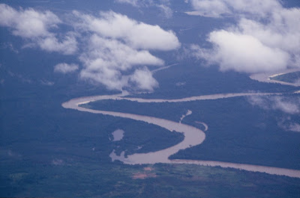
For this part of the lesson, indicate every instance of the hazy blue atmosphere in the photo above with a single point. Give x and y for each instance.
(144, 98)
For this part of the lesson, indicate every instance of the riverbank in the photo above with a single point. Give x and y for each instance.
(192, 136)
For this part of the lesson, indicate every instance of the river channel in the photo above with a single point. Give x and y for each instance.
(192, 136)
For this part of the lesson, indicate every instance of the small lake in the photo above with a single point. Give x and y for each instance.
(118, 135)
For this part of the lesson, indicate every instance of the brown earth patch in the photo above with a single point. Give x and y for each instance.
(143, 175)
(148, 169)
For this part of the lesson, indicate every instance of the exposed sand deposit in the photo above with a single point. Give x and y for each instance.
(266, 77)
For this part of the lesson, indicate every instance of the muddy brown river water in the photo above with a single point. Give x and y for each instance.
(192, 136)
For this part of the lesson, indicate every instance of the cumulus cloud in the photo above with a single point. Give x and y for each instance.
(132, 2)
(286, 105)
(37, 26)
(212, 8)
(67, 46)
(289, 106)
(65, 68)
(118, 50)
(265, 39)
(289, 125)
(115, 50)
(106, 59)
(242, 53)
(282, 31)
(143, 79)
(219, 8)
(163, 5)
(136, 34)
(28, 23)
(295, 127)
(168, 12)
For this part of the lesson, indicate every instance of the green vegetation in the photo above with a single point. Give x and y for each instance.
(82, 177)
(238, 132)
(190, 79)
(141, 137)
(48, 151)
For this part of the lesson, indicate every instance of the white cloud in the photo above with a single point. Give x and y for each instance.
(286, 105)
(244, 53)
(211, 8)
(66, 46)
(295, 127)
(142, 78)
(168, 12)
(65, 68)
(132, 2)
(163, 5)
(219, 8)
(28, 23)
(289, 106)
(253, 46)
(114, 48)
(117, 50)
(282, 31)
(9, 46)
(136, 34)
(262, 102)
(36, 26)
(106, 59)
(289, 125)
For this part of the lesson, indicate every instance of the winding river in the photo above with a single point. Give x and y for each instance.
(266, 77)
(192, 136)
